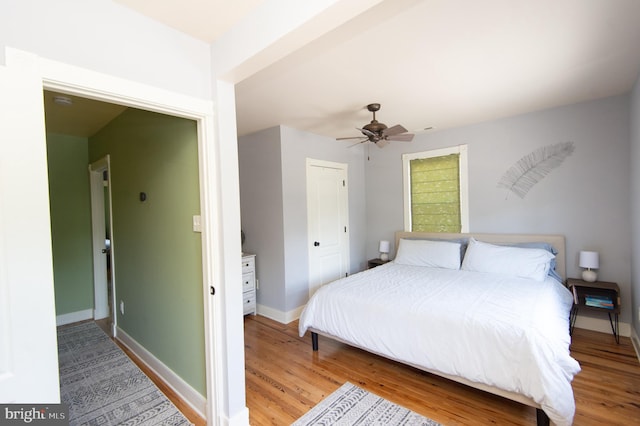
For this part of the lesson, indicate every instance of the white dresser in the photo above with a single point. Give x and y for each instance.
(249, 283)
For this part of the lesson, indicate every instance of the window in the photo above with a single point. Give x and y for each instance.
(436, 190)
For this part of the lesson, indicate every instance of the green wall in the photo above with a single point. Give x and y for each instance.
(70, 204)
(157, 256)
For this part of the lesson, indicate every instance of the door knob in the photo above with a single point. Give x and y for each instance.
(316, 243)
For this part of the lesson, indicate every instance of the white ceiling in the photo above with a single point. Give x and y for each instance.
(203, 19)
(448, 63)
(441, 63)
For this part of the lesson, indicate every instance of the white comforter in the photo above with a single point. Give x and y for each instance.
(505, 332)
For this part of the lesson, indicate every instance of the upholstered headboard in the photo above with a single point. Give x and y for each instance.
(557, 241)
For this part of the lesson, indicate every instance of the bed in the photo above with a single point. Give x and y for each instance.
(486, 310)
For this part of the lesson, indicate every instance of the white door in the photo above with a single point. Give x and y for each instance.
(28, 344)
(100, 223)
(328, 217)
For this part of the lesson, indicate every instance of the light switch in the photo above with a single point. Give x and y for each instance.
(197, 224)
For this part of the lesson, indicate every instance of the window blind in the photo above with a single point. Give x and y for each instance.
(435, 194)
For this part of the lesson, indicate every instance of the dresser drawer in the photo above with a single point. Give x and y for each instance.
(248, 281)
(248, 265)
(249, 302)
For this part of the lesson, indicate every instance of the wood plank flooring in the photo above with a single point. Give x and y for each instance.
(285, 378)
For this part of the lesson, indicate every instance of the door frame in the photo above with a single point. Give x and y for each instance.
(65, 78)
(99, 226)
(345, 252)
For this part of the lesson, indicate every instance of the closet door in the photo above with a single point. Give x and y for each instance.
(328, 216)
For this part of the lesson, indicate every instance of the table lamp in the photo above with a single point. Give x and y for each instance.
(589, 260)
(384, 250)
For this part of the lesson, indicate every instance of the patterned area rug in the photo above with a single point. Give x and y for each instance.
(103, 386)
(351, 405)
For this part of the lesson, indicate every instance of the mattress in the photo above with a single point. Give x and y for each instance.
(509, 333)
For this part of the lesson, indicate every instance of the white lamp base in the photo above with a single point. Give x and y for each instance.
(384, 256)
(589, 276)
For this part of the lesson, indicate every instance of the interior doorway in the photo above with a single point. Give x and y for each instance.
(102, 237)
(106, 305)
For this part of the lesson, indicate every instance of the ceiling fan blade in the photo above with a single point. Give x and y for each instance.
(394, 130)
(405, 137)
(351, 137)
(382, 143)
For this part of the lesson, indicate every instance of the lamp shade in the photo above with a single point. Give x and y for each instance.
(589, 260)
(384, 246)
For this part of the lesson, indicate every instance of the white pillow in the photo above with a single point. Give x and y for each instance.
(434, 254)
(514, 261)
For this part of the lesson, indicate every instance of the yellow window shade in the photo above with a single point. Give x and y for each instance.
(435, 194)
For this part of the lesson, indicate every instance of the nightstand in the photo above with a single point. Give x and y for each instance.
(596, 296)
(372, 263)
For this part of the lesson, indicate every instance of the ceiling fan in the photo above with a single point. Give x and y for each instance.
(379, 133)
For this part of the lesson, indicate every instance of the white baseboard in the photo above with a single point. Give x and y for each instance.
(72, 317)
(171, 379)
(280, 316)
(602, 325)
(240, 419)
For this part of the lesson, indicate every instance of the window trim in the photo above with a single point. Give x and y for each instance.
(463, 177)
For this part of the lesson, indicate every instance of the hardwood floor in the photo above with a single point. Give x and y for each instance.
(285, 378)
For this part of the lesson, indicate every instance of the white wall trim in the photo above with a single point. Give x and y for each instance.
(71, 317)
(280, 316)
(168, 377)
(240, 419)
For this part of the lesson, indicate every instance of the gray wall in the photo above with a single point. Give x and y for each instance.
(259, 158)
(634, 158)
(586, 198)
(274, 209)
(297, 146)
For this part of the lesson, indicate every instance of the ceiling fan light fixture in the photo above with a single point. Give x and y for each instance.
(375, 126)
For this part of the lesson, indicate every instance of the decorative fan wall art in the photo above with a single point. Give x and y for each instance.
(530, 169)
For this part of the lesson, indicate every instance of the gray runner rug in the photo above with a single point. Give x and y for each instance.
(351, 405)
(103, 386)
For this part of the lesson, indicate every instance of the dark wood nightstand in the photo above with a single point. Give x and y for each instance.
(596, 296)
(372, 263)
